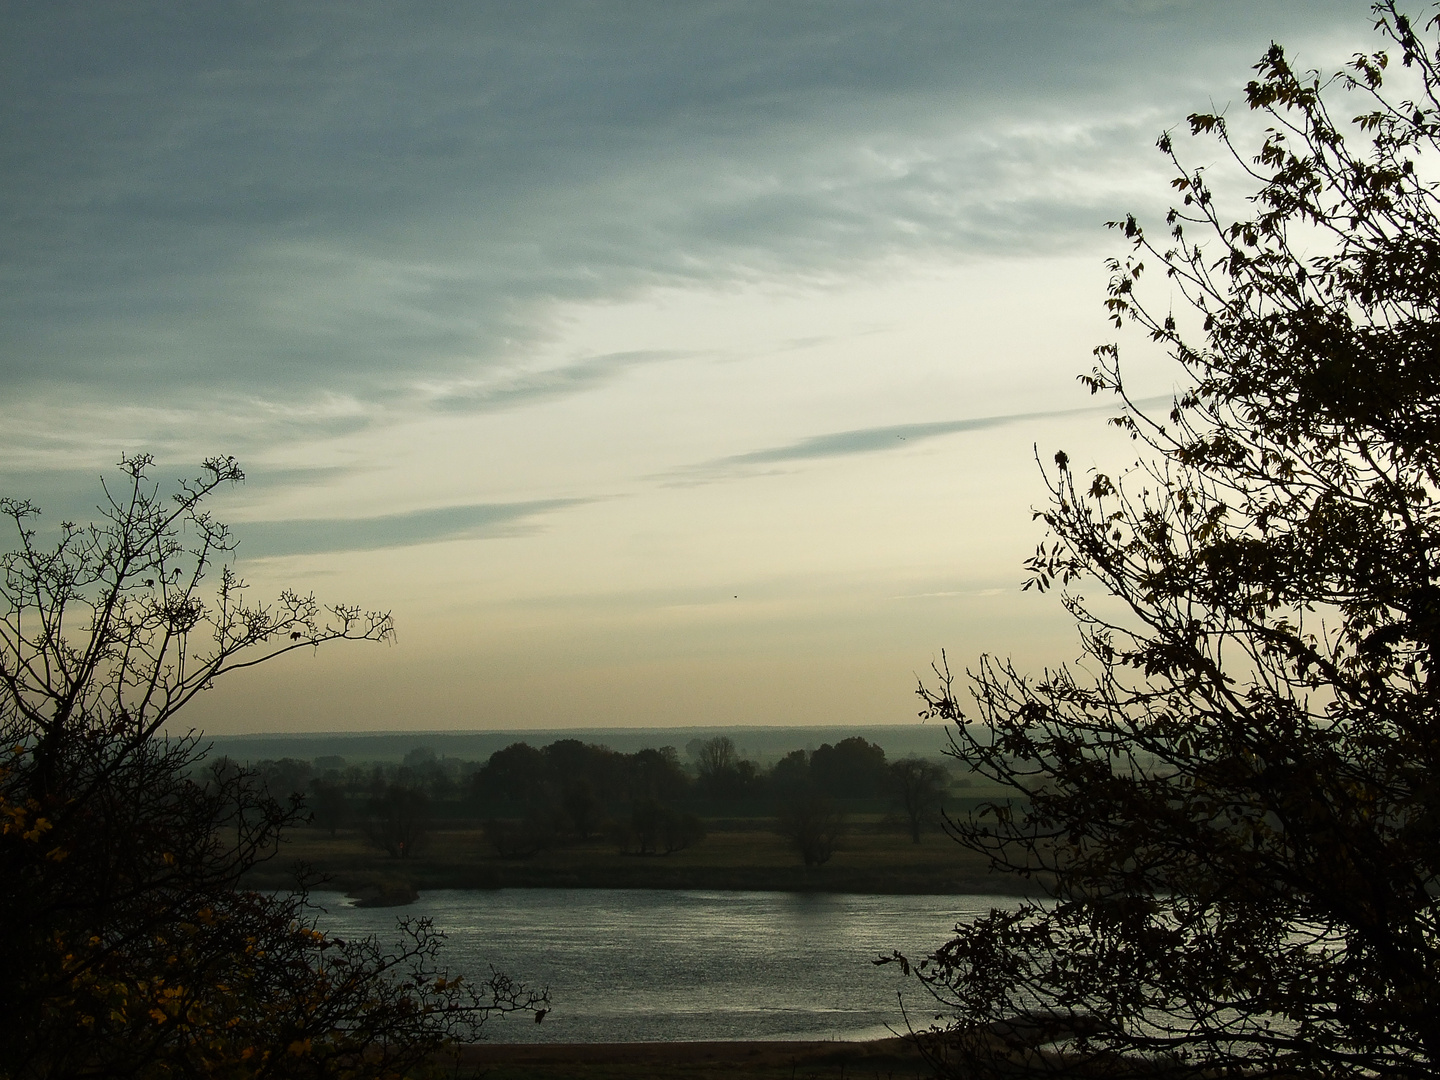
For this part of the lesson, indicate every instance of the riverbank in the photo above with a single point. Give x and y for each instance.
(869, 859)
(896, 1058)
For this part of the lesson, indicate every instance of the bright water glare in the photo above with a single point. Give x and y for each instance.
(629, 965)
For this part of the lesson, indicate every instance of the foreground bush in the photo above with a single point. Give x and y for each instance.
(126, 945)
(1235, 792)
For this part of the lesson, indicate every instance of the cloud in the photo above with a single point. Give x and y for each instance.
(77, 494)
(871, 440)
(548, 384)
(313, 536)
(360, 199)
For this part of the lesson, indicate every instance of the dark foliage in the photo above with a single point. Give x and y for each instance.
(656, 776)
(329, 806)
(514, 776)
(1236, 793)
(398, 822)
(656, 829)
(520, 839)
(851, 769)
(127, 947)
(812, 825)
(918, 786)
(583, 808)
(723, 776)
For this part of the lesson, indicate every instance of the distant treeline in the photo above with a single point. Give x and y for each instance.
(531, 797)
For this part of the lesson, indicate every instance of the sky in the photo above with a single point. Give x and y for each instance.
(653, 363)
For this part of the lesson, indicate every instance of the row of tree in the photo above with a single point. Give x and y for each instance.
(521, 777)
(531, 798)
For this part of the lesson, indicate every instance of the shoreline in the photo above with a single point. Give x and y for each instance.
(891, 1057)
(870, 861)
(358, 884)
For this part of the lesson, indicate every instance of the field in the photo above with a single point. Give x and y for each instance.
(740, 854)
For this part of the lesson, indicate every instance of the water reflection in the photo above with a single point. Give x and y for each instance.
(632, 965)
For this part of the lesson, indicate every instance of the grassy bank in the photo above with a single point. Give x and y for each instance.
(891, 1058)
(734, 855)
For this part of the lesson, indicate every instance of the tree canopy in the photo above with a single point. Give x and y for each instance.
(1234, 792)
(128, 946)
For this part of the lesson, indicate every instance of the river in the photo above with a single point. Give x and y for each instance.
(627, 965)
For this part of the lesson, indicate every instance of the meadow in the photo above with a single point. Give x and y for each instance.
(892, 1059)
(872, 856)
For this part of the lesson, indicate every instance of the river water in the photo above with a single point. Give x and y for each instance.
(628, 965)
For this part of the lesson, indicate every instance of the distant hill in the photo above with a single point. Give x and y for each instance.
(761, 744)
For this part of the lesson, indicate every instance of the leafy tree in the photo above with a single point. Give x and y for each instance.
(656, 775)
(791, 773)
(520, 839)
(127, 947)
(716, 763)
(583, 808)
(329, 807)
(656, 829)
(918, 785)
(851, 769)
(398, 822)
(284, 777)
(811, 824)
(1235, 795)
(513, 776)
(723, 775)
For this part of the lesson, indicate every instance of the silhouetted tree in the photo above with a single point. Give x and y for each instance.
(715, 763)
(284, 777)
(398, 822)
(791, 773)
(722, 774)
(568, 760)
(1236, 794)
(328, 805)
(513, 777)
(655, 775)
(851, 769)
(583, 808)
(918, 785)
(126, 946)
(659, 830)
(811, 824)
(513, 839)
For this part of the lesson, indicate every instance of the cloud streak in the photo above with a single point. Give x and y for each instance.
(360, 200)
(871, 440)
(549, 384)
(315, 536)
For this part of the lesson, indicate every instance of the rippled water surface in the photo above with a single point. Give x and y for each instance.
(630, 965)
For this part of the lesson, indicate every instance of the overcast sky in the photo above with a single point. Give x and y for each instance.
(655, 363)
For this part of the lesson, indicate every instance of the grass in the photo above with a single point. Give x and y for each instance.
(735, 855)
(887, 1059)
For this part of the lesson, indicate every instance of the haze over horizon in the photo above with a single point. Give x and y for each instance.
(657, 365)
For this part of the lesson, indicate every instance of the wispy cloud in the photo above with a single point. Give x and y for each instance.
(870, 440)
(313, 536)
(551, 383)
(76, 494)
(332, 202)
